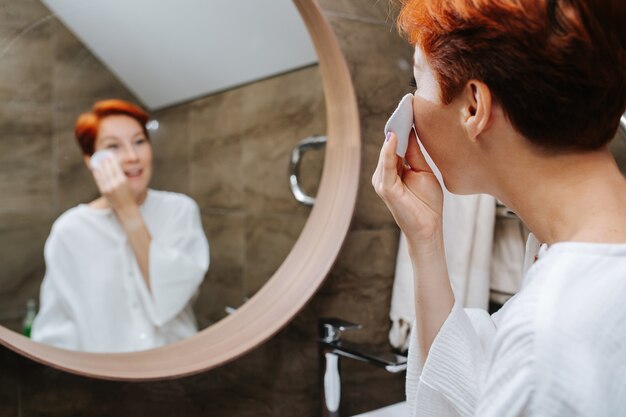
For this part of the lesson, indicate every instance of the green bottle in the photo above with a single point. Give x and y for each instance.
(31, 312)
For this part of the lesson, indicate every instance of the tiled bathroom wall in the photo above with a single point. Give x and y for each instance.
(279, 378)
(230, 152)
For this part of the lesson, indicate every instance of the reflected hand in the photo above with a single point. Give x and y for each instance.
(113, 184)
(413, 195)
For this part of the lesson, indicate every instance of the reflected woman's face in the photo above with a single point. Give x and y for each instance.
(124, 136)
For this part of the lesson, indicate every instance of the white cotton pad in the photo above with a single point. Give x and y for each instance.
(401, 123)
(100, 156)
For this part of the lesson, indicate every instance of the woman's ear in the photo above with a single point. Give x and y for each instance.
(477, 108)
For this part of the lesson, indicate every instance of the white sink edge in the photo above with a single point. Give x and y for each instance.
(393, 410)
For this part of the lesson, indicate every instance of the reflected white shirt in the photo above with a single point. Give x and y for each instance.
(557, 348)
(93, 297)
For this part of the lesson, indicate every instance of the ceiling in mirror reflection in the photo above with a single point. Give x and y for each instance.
(234, 42)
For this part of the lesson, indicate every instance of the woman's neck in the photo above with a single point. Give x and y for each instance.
(102, 203)
(579, 198)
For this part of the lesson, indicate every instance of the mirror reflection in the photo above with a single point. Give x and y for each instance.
(122, 269)
(200, 159)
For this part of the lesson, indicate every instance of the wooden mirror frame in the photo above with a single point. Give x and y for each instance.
(291, 286)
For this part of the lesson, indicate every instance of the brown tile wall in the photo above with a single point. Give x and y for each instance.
(230, 152)
(280, 377)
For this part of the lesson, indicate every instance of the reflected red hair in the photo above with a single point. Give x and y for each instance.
(557, 67)
(88, 124)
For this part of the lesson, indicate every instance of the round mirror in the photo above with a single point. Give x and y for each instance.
(220, 132)
(225, 143)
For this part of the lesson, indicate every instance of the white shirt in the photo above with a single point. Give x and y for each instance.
(557, 348)
(93, 297)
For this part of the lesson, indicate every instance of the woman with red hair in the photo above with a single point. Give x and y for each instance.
(121, 271)
(517, 99)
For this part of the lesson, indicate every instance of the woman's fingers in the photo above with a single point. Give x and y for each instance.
(400, 166)
(389, 162)
(376, 178)
(100, 179)
(108, 171)
(414, 155)
(109, 176)
(116, 170)
(413, 195)
(114, 173)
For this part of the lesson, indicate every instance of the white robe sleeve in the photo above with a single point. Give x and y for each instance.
(448, 384)
(54, 323)
(178, 261)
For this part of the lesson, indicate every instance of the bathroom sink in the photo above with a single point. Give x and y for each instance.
(393, 410)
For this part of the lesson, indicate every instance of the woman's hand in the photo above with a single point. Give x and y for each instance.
(412, 194)
(415, 198)
(115, 188)
(113, 185)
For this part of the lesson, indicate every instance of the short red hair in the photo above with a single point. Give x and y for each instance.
(557, 67)
(88, 124)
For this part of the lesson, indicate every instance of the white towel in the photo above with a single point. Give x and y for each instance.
(509, 241)
(402, 311)
(468, 226)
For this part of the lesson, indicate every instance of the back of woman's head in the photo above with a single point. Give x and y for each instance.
(557, 67)
(88, 124)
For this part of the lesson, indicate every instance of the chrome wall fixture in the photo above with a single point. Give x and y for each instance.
(312, 142)
(331, 348)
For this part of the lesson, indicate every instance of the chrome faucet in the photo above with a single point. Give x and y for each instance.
(331, 348)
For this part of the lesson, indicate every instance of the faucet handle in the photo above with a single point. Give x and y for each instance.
(330, 328)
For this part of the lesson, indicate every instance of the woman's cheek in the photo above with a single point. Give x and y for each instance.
(423, 117)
